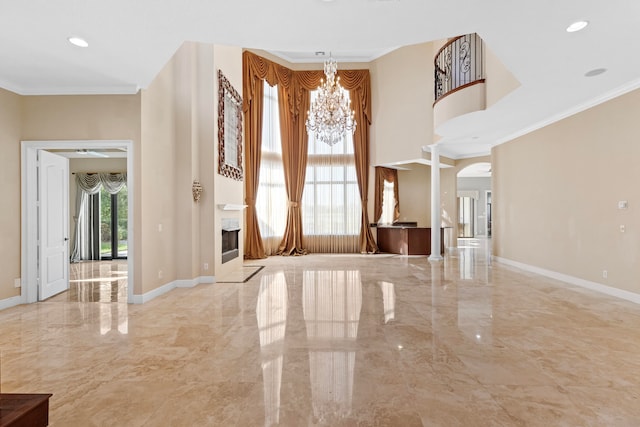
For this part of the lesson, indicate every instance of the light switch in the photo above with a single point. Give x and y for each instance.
(623, 204)
(622, 228)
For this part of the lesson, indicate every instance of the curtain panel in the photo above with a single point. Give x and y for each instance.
(252, 108)
(390, 175)
(294, 87)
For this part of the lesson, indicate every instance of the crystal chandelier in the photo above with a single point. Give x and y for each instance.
(330, 115)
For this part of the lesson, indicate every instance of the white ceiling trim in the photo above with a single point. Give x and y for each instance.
(93, 90)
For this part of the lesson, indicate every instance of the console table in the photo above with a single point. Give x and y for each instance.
(407, 240)
(24, 410)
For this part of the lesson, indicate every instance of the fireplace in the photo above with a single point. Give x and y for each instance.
(230, 233)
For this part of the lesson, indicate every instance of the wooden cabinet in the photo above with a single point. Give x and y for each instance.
(24, 410)
(407, 240)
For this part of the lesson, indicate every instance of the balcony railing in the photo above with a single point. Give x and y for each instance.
(458, 64)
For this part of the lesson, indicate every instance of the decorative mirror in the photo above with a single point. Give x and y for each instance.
(229, 129)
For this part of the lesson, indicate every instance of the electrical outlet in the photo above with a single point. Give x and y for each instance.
(206, 265)
(160, 274)
(604, 274)
(17, 283)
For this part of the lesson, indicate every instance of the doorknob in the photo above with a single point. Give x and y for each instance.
(66, 239)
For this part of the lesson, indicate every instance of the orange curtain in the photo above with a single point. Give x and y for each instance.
(252, 107)
(390, 175)
(294, 159)
(294, 101)
(361, 152)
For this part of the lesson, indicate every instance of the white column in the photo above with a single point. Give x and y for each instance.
(436, 216)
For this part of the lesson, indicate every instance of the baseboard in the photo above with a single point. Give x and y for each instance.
(594, 286)
(141, 299)
(10, 302)
(186, 283)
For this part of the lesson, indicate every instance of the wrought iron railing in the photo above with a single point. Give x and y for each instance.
(459, 63)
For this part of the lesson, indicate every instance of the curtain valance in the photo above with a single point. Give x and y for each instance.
(298, 83)
(91, 183)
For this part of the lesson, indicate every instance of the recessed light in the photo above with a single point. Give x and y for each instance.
(595, 72)
(577, 26)
(78, 41)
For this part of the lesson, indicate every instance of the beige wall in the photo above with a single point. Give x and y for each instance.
(158, 177)
(414, 188)
(89, 117)
(402, 98)
(227, 190)
(499, 80)
(51, 118)
(179, 126)
(556, 193)
(10, 121)
(81, 117)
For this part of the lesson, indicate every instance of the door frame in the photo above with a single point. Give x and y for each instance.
(29, 205)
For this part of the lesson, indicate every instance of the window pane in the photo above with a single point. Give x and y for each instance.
(105, 223)
(121, 220)
(388, 203)
(271, 199)
(331, 199)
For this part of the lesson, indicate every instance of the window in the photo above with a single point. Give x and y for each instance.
(271, 199)
(388, 203)
(331, 207)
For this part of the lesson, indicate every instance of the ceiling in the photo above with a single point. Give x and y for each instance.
(130, 41)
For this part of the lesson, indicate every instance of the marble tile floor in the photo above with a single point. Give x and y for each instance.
(96, 281)
(337, 340)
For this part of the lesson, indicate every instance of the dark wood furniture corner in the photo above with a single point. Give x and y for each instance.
(407, 240)
(24, 410)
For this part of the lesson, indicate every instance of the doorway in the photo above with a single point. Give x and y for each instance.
(30, 268)
(473, 188)
(466, 217)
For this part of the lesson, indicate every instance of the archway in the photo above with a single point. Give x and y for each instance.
(474, 201)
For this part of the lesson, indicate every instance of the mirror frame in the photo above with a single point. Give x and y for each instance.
(229, 129)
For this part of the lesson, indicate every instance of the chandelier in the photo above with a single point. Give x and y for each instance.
(330, 115)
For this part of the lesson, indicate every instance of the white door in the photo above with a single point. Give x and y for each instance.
(53, 190)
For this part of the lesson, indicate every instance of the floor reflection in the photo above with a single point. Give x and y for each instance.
(475, 299)
(271, 313)
(388, 300)
(332, 301)
(96, 281)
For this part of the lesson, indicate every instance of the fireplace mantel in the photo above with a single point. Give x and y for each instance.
(231, 207)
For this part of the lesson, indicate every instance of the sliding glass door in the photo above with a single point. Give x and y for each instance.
(113, 224)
